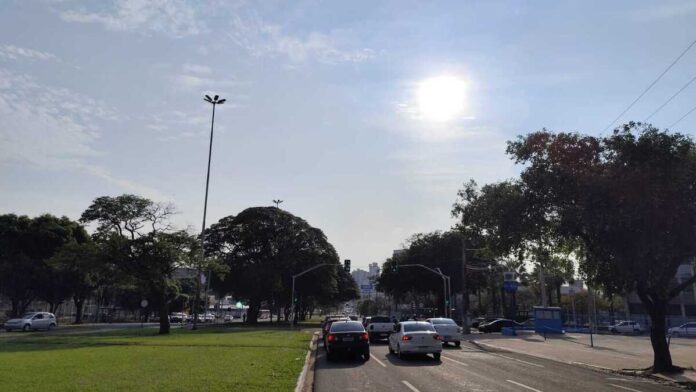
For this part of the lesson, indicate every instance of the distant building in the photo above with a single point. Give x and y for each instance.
(576, 287)
(366, 279)
(680, 309)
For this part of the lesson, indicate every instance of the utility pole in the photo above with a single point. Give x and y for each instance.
(464, 309)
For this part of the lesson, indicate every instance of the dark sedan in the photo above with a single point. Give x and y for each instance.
(498, 325)
(347, 337)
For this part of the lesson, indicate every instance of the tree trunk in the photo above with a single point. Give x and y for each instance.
(558, 292)
(253, 312)
(79, 303)
(662, 360)
(164, 325)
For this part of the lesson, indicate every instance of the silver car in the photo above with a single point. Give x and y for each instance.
(32, 321)
(415, 337)
(448, 329)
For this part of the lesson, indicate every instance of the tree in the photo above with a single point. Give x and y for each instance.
(263, 248)
(84, 268)
(631, 199)
(136, 236)
(26, 245)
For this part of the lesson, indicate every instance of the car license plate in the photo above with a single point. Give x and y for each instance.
(347, 339)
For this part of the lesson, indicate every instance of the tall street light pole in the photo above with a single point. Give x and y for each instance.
(214, 101)
(277, 202)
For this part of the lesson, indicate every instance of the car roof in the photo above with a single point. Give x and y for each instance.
(414, 322)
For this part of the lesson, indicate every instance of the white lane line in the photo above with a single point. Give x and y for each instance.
(519, 360)
(411, 387)
(523, 386)
(455, 361)
(626, 388)
(378, 361)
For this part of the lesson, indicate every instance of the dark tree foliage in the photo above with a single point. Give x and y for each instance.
(263, 247)
(631, 199)
(26, 245)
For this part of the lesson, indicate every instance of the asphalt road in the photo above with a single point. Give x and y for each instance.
(467, 369)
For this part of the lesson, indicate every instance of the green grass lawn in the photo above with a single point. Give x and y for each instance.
(234, 359)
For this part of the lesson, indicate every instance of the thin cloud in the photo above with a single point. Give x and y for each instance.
(177, 18)
(262, 39)
(11, 52)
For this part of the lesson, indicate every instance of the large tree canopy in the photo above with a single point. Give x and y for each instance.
(263, 247)
(631, 199)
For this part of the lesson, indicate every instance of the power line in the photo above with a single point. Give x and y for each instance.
(651, 85)
(670, 99)
(683, 117)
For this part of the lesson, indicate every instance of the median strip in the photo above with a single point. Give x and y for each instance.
(519, 384)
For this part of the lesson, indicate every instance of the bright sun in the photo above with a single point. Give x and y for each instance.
(441, 98)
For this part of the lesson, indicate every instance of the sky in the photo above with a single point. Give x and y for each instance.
(364, 117)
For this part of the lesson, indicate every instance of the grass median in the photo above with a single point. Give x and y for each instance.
(233, 359)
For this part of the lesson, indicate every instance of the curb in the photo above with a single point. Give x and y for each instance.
(601, 369)
(305, 382)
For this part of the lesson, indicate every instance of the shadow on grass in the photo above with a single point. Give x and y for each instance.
(261, 338)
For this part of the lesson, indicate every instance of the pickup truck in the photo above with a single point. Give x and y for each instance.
(379, 327)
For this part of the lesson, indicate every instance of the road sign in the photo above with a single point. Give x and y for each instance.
(510, 286)
(366, 287)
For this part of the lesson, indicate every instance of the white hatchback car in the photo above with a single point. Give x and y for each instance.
(626, 327)
(688, 329)
(32, 321)
(415, 337)
(448, 329)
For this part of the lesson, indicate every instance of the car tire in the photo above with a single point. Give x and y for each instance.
(613, 330)
(26, 328)
(398, 352)
(8, 330)
(51, 327)
(457, 344)
(329, 356)
(436, 356)
(391, 350)
(366, 356)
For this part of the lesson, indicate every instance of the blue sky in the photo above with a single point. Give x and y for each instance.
(323, 111)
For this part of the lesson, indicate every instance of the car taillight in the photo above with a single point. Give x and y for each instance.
(364, 336)
(437, 337)
(331, 338)
(405, 337)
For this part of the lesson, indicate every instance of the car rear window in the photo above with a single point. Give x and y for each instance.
(347, 326)
(443, 321)
(380, 320)
(418, 327)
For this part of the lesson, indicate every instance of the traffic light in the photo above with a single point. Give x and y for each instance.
(346, 265)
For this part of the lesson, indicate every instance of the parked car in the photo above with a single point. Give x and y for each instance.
(498, 325)
(228, 318)
(380, 327)
(347, 336)
(482, 320)
(327, 324)
(626, 327)
(448, 329)
(415, 337)
(209, 317)
(32, 321)
(189, 318)
(688, 329)
(177, 317)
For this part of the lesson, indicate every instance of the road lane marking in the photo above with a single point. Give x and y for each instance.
(378, 361)
(626, 388)
(519, 360)
(411, 387)
(523, 386)
(455, 361)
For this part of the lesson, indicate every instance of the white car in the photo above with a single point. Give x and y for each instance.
(415, 337)
(228, 318)
(32, 321)
(209, 317)
(688, 329)
(448, 329)
(626, 327)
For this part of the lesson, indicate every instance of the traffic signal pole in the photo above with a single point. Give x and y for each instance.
(436, 272)
(292, 303)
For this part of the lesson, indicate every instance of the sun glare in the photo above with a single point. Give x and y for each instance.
(441, 98)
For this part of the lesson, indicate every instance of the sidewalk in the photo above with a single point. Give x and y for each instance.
(616, 352)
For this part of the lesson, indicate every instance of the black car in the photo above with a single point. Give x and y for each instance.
(498, 325)
(347, 337)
